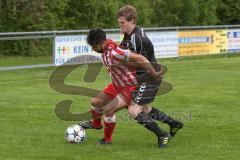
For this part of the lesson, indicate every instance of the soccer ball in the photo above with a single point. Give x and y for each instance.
(75, 134)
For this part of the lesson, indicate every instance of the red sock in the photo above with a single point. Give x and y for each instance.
(97, 117)
(109, 125)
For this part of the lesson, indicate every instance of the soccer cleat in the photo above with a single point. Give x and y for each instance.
(163, 141)
(103, 142)
(89, 125)
(174, 128)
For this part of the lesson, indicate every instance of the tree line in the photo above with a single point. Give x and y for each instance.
(38, 15)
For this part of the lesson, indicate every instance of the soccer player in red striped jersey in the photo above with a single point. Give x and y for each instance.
(121, 75)
(124, 82)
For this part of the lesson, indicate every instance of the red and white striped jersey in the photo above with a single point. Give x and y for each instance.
(121, 75)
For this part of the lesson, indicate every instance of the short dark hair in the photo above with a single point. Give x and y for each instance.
(96, 36)
(129, 12)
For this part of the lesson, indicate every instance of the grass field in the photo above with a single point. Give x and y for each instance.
(209, 88)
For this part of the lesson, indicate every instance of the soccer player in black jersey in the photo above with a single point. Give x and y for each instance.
(136, 40)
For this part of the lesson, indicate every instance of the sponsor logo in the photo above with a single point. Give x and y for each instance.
(186, 40)
(63, 50)
(140, 94)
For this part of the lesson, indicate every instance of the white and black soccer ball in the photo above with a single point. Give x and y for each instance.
(75, 134)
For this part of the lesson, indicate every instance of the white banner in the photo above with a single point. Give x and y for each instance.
(165, 43)
(233, 41)
(75, 50)
(116, 37)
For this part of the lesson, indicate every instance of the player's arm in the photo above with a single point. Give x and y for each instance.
(142, 62)
(126, 56)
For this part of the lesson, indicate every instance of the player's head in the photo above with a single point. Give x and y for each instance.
(96, 39)
(127, 18)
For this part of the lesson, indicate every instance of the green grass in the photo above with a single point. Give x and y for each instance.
(18, 61)
(208, 87)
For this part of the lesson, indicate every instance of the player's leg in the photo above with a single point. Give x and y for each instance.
(144, 119)
(158, 115)
(122, 99)
(145, 95)
(97, 102)
(135, 111)
(110, 119)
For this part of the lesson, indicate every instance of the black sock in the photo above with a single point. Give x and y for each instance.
(160, 116)
(145, 120)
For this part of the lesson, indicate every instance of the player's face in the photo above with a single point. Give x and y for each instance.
(98, 48)
(125, 26)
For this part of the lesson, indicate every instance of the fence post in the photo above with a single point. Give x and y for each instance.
(226, 56)
(53, 50)
(178, 57)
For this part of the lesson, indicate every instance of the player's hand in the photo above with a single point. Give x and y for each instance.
(158, 75)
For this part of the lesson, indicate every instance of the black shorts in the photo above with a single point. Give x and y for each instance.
(147, 90)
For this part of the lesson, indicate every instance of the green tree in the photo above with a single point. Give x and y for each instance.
(207, 12)
(8, 15)
(92, 14)
(189, 13)
(166, 12)
(228, 12)
(36, 15)
(31, 15)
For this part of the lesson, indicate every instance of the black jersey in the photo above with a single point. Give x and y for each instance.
(139, 42)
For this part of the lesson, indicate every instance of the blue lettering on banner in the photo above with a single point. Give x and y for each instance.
(172, 39)
(70, 39)
(76, 60)
(60, 60)
(233, 50)
(80, 49)
(93, 58)
(194, 40)
(113, 36)
(234, 34)
(83, 59)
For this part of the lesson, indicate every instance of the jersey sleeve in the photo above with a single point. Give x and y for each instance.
(120, 54)
(139, 44)
(136, 43)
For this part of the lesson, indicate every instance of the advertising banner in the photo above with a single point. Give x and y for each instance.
(75, 50)
(202, 42)
(165, 43)
(233, 41)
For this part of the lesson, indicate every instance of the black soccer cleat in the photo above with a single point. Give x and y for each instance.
(89, 125)
(163, 141)
(103, 142)
(175, 127)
